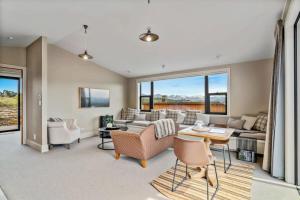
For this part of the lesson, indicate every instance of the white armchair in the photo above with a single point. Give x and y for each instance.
(63, 132)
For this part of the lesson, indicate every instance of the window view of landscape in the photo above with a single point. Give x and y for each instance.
(180, 94)
(8, 104)
(186, 93)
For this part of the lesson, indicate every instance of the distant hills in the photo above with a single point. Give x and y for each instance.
(184, 98)
(7, 93)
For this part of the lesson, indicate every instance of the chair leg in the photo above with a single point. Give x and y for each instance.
(117, 156)
(78, 140)
(226, 168)
(207, 186)
(174, 175)
(184, 178)
(67, 146)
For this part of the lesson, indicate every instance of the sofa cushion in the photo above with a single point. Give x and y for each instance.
(204, 118)
(191, 117)
(122, 121)
(258, 136)
(183, 126)
(180, 117)
(140, 117)
(235, 123)
(218, 119)
(140, 123)
(162, 115)
(261, 122)
(172, 114)
(249, 122)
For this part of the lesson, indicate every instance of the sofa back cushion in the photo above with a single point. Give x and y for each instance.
(261, 122)
(249, 122)
(204, 118)
(191, 117)
(235, 123)
(218, 119)
(140, 116)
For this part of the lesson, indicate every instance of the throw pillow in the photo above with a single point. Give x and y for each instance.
(191, 117)
(130, 113)
(249, 122)
(140, 117)
(162, 115)
(180, 118)
(172, 114)
(261, 122)
(123, 114)
(203, 117)
(154, 115)
(235, 123)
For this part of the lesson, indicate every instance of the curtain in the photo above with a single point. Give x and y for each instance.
(275, 140)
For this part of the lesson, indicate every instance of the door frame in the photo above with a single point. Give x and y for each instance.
(24, 85)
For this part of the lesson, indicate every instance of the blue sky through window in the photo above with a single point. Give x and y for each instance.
(187, 86)
(8, 84)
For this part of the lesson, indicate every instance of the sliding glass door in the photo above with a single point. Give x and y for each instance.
(9, 104)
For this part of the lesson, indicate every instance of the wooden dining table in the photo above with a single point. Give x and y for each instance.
(208, 134)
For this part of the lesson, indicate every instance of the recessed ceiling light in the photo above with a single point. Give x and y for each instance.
(10, 37)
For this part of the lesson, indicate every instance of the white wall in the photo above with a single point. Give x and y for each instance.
(66, 73)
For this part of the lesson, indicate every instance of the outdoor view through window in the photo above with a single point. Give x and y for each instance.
(9, 104)
(204, 93)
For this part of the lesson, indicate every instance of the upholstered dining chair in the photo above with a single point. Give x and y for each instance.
(193, 152)
(224, 144)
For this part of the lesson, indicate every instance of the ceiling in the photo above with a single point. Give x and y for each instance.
(193, 33)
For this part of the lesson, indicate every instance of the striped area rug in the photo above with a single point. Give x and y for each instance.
(234, 185)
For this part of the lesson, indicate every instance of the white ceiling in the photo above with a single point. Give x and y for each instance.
(192, 32)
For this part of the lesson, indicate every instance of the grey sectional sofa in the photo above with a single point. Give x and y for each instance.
(214, 120)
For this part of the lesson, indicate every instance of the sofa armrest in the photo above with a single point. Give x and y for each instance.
(128, 143)
(61, 124)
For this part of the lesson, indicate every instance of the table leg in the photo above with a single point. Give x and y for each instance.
(202, 170)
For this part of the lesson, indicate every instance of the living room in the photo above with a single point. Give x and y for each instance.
(114, 100)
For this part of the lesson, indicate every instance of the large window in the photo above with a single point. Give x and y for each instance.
(207, 94)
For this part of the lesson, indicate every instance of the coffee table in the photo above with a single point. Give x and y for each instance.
(105, 135)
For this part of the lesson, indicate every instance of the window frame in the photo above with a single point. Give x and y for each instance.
(206, 90)
(147, 96)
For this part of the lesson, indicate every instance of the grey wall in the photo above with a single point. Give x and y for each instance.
(249, 86)
(13, 56)
(66, 73)
(36, 62)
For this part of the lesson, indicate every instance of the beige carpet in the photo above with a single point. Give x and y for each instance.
(236, 184)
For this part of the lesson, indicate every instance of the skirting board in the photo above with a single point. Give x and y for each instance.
(87, 134)
(38, 147)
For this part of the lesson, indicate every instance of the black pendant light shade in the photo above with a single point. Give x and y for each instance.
(149, 36)
(85, 55)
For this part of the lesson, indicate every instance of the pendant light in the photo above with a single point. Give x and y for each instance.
(149, 36)
(85, 55)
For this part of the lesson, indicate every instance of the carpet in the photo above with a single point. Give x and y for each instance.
(235, 184)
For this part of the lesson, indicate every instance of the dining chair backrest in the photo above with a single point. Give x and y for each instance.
(191, 152)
